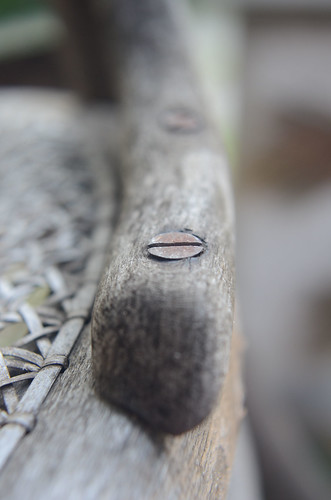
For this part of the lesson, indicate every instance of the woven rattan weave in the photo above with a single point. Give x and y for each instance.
(55, 219)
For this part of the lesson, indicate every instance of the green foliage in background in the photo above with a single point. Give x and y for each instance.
(10, 8)
(27, 27)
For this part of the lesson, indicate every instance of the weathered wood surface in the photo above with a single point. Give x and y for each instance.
(161, 330)
(84, 448)
(55, 221)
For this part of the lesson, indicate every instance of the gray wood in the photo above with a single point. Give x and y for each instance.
(42, 122)
(83, 448)
(161, 330)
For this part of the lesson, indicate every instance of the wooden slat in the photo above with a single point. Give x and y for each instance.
(161, 329)
(84, 448)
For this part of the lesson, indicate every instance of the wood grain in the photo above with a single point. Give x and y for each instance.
(161, 330)
(44, 137)
(166, 325)
(84, 448)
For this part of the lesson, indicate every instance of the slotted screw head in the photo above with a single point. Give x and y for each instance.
(181, 121)
(175, 246)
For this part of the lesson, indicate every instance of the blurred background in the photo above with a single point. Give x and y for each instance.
(266, 72)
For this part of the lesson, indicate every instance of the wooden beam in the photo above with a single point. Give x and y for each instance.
(84, 448)
(161, 329)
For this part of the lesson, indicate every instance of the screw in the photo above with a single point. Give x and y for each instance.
(181, 120)
(175, 246)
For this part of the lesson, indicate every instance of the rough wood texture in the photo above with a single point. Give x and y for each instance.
(161, 330)
(84, 448)
(55, 223)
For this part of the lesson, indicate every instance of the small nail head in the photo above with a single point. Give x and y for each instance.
(175, 246)
(181, 120)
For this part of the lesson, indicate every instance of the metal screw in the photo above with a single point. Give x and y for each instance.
(181, 120)
(175, 246)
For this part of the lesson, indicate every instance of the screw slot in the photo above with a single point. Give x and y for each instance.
(175, 246)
